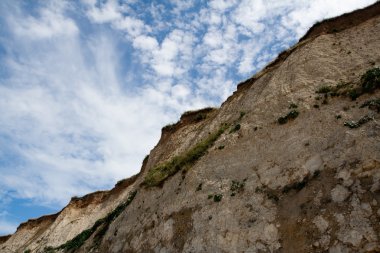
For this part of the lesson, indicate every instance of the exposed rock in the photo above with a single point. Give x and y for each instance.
(321, 223)
(339, 193)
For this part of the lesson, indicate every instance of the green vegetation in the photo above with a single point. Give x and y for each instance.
(291, 115)
(359, 123)
(218, 197)
(157, 175)
(235, 128)
(221, 147)
(81, 238)
(354, 93)
(293, 106)
(373, 104)
(237, 187)
(200, 116)
(241, 115)
(169, 127)
(48, 250)
(371, 80)
(324, 90)
(112, 216)
(27, 251)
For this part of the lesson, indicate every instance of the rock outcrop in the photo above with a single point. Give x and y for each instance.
(289, 163)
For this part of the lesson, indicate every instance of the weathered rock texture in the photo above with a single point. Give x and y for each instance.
(309, 185)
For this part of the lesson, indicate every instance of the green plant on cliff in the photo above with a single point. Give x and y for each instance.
(291, 115)
(48, 249)
(104, 223)
(157, 175)
(359, 123)
(235, 128)
(373, 104)
(237, 187)
(324, 89)
(218, 197)
(371, 80)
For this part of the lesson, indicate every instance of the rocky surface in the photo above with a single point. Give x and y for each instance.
(295, 169)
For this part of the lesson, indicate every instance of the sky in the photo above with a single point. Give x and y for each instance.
(87, 85)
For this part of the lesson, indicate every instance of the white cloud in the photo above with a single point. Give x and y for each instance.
(308, 12)
(107, 12)
(144, 42)
(7, 227)
(50, 23)
(250, 14)
(222, 5)
(213, 38)
(67, 118)
(133, 26)
(181, 5)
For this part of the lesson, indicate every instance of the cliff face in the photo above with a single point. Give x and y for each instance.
(289, 163)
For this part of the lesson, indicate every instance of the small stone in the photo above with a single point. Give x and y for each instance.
(339, 193)
(321, 223)
(374, 202)
(314, 163)
(339, 218)
(270, 232)
(367, 208)
(345, 175)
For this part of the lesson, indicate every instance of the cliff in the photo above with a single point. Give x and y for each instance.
(289, 163)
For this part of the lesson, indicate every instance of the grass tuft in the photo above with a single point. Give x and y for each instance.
(157, 175)
(371, 80)
(218, 197)
(81, 238)
(235, 128)
(291, 115)
(237, 187)
(373, 104)
(324, 90)
(357, 124)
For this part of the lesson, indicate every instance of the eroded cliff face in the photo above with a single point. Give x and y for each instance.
(267, 182)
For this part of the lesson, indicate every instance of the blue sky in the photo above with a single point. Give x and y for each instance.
(86, 86)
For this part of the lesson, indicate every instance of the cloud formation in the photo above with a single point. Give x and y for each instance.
(85, 87)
